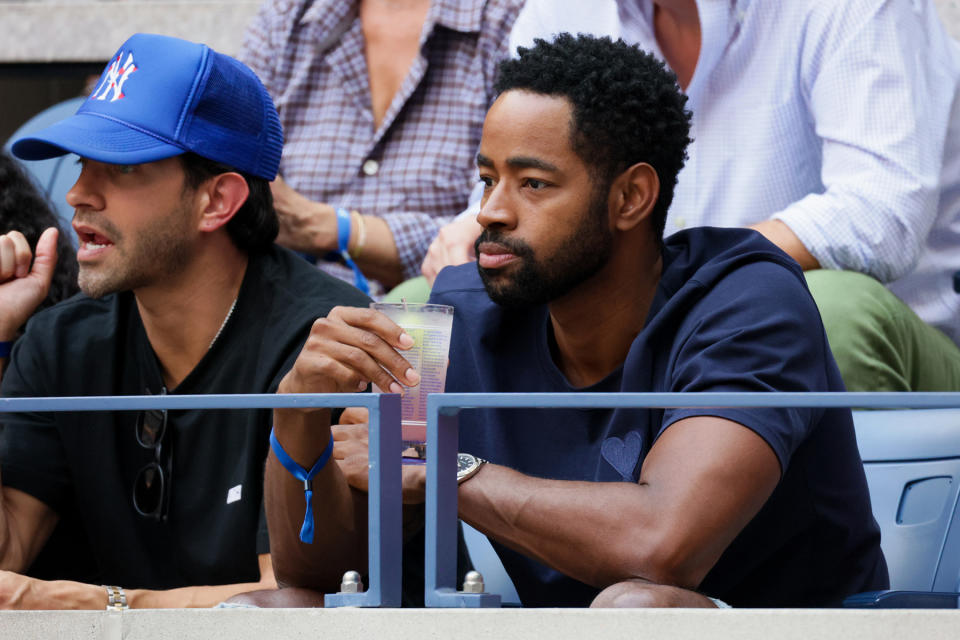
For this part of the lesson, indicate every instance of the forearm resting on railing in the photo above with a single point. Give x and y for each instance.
(598, 533)
(25, 525)
(703, 480)
(201, 596)
(339, 512)
(23, 592)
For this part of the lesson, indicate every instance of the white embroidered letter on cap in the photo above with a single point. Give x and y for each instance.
(115, 78)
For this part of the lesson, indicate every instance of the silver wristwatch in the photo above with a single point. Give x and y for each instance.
(116, 598)
(467, 466)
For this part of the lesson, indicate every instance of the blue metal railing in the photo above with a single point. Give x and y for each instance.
(385, 508)
(442, 445)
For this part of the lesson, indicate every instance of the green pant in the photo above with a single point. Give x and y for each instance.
(413, 290)
(879, 343)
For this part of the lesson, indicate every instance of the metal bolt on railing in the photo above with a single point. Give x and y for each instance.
(473, 582)
(351, 583)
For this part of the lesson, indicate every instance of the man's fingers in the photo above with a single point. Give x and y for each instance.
(452, 246)
(45, 262)
(341, 432)
(353, 415)
(374, 322)
(349, 349)
(16, 256)
(22, 254)
(378, 336)
(331, 359)
(460, 253)
(8, 258)
(433, 261)
(366, 363)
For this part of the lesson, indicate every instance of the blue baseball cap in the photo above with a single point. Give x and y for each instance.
(160, 97)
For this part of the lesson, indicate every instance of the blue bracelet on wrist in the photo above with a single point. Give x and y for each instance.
(6, 348)
(343, 243)
(298, 472)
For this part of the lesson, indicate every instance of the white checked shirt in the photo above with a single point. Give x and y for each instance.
(829, 115)
(416, 170)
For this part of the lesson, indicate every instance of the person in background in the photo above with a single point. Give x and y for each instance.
(574, 290)
(183, 292)
(807, 127)
(382, 104)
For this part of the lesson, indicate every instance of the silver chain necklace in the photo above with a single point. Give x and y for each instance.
(225, 321)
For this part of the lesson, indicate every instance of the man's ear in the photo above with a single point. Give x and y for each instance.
(634, 194)
(222, 195)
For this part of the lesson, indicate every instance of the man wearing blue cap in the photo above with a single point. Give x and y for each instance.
(184, 292)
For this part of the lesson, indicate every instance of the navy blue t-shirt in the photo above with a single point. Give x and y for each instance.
(731, 313)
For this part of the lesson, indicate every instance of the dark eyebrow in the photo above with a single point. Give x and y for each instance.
(519, 162)
(525, 162)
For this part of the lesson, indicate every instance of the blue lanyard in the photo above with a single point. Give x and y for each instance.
(298, 472)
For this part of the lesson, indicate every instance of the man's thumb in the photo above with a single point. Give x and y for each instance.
(45, 258)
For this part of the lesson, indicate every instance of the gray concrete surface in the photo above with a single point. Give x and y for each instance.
(88, 30)
(510, 624)
(91, 30)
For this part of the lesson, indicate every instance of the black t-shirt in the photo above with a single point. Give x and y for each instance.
(85, 464)
(731, 313)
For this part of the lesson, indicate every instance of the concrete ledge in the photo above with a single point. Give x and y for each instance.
(90, 31)
(509, 624)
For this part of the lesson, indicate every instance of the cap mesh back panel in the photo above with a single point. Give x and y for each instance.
(233, 121)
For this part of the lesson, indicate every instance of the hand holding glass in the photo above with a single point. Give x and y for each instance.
(429, 325)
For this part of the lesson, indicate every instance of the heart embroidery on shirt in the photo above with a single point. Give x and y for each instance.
(623, 454)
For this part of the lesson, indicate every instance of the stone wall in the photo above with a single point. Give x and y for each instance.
(483, 624)
(89, 30)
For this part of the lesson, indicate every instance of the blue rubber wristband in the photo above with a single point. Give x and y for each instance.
(5, 349)
(298, 472)
(343, 242)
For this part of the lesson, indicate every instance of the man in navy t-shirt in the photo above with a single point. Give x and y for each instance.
(575, 290)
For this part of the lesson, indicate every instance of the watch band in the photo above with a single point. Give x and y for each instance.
(116, 598)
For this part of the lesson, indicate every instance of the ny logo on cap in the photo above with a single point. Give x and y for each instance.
(114, 80)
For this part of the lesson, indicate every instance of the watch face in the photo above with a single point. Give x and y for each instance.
(465, 462)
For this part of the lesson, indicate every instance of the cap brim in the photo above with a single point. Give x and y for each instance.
(94, 137)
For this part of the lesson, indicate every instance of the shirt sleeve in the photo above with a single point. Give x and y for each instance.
(263, 533)
(263, 40)
(542, 19)
(413, 233)
(31, 451)
(757, 329)
(473, 204)
(879, 90)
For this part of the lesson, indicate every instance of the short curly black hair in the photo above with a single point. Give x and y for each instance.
(25, 209)
(627, 106)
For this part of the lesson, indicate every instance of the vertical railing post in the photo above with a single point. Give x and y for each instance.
(440, 553)
(385, 512)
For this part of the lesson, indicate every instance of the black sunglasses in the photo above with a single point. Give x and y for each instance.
(151, 490)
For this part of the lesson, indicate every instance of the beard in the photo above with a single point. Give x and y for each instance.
(538, 281)
(159, 251)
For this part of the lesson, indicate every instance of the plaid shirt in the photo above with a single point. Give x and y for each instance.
(416, 171)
